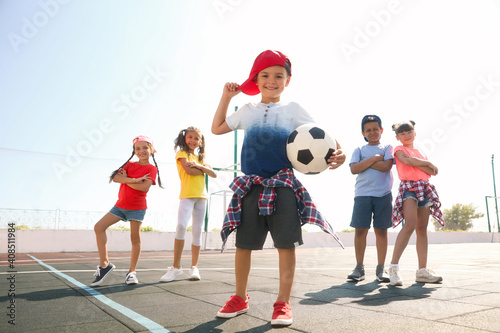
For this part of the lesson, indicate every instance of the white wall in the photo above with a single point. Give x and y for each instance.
(38, 241)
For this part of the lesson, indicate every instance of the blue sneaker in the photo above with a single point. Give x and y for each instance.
(101, 274)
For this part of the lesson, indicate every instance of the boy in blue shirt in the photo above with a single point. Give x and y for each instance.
(268, 197)
(372, 163)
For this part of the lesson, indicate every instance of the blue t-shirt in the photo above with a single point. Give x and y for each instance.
(267, 127)
(372, 182)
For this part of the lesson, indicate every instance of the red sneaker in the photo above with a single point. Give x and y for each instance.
(282, 314)
(235, 306)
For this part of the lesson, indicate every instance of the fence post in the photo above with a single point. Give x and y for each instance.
(488, 213)
(206, 209)
(58, 212)
(495, 189)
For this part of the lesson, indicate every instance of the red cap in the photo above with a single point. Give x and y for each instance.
(266, 59)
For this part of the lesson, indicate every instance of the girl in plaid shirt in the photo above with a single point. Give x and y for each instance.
(416, 200)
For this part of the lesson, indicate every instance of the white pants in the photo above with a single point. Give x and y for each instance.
(196, 208)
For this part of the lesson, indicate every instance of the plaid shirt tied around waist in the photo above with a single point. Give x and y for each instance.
(308, 213)
(422, 189)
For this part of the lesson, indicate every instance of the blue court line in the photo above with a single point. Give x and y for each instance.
(148, 323)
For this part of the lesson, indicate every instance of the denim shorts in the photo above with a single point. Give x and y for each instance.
(366, 206)
(413, 195)
(284, 224)
(128, 214)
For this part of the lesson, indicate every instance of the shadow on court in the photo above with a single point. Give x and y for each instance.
(323, 300)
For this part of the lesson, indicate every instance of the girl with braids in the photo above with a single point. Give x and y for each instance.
(135, 178)
(192, 169)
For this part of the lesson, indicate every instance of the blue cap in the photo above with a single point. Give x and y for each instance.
(368, 119)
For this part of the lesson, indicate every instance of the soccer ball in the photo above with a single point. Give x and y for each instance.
(308, 148)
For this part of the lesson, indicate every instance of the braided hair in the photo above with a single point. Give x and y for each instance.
(180, 142)
(114, 173)
(157, 169)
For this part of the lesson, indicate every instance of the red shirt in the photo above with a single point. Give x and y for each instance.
(128, 198)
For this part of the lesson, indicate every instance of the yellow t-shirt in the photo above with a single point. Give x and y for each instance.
(191, 186)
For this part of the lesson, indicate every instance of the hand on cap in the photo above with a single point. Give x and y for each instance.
(231, 89)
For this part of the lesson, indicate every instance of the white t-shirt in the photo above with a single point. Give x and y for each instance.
(267, 127)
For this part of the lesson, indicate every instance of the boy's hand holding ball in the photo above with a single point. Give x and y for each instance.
(336, 160)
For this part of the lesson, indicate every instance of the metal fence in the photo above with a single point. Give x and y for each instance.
(73, 220)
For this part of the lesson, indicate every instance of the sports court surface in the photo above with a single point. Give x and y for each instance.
(52, 293)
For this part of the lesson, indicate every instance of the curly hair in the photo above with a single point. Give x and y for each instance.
(180, 142)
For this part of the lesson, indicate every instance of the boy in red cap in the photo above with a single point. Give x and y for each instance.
(268, 198)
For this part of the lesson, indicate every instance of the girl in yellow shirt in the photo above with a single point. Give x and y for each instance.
(192, 170)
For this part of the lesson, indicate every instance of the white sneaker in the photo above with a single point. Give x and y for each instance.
(194, 274)
(131, 278)
(394, 277)
(427, 275)
(171, 274)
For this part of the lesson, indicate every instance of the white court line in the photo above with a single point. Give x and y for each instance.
(93, 270)
(148, 323)
(253, 268)
(90, 258)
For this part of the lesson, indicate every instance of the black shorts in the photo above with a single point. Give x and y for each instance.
(284, 224)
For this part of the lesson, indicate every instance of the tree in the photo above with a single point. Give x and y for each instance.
(459, 217)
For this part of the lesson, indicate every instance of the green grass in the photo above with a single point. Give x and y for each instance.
(125, 228)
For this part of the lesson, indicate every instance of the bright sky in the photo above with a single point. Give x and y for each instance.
(80, 79)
